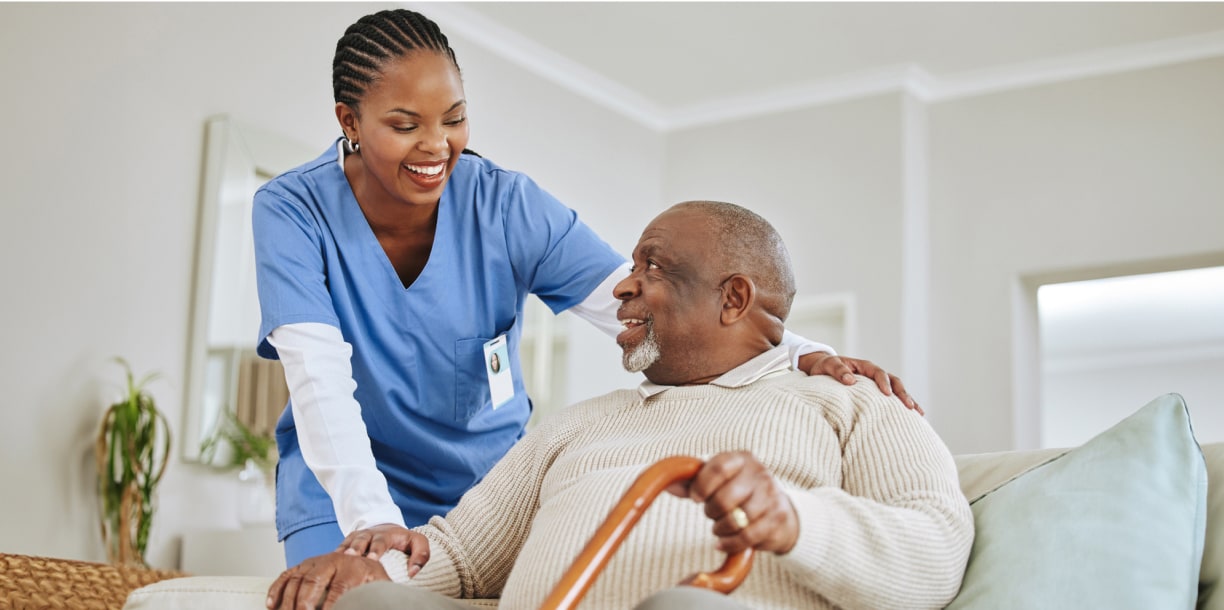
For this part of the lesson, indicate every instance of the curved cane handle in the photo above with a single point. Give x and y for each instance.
(578, 579)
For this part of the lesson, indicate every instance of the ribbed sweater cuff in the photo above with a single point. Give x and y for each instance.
(815, 530)
(396, 564)
(438, 575)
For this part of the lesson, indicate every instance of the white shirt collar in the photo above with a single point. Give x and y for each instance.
(773, 362)
(340, 153)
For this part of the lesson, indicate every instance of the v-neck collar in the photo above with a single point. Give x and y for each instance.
(357, 229)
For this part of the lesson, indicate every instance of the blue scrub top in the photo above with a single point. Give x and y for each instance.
(418, 356)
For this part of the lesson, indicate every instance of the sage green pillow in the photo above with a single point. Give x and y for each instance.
(1116, 523)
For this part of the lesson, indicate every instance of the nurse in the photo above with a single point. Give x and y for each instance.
(391, 270)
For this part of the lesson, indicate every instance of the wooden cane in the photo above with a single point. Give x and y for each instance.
(578, 579)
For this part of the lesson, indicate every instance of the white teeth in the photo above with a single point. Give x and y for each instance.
(428, 171)
(627, 322)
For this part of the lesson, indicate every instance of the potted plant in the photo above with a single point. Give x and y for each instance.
(132, 450)
(245, 445)
(234, 445)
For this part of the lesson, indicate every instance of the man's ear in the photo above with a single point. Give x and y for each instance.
(738, 298)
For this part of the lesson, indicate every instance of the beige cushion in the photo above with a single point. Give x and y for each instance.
(982, 472)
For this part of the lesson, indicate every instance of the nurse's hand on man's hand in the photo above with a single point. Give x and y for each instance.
(320, 581)
(372, 542)
(844, 370)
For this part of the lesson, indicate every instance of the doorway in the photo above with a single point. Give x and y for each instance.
(1108, 346)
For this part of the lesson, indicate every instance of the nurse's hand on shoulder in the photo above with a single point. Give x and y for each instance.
(320, 581)
(844, 370)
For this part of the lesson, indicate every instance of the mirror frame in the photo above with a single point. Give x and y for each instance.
(233, 153)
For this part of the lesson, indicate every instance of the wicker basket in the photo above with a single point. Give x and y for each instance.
(39, 583)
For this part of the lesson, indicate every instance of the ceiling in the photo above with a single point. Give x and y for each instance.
(675, 64)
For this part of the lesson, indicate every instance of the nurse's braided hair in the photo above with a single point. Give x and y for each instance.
(375, 39)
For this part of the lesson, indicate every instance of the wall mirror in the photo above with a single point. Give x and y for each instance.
(223, 372)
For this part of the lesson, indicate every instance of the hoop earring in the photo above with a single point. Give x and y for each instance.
(351, 146)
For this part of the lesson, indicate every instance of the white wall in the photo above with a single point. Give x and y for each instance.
(99, 206)
(1111, 170)
(1081, 403)
(830, 180)
(106, 106)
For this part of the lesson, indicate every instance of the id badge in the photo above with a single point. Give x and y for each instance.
(497, 366)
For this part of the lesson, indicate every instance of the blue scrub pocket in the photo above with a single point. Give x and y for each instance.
(471, 382)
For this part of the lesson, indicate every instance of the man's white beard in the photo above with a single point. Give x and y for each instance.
(645, 354)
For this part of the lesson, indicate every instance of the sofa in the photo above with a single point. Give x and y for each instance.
(1133, 518)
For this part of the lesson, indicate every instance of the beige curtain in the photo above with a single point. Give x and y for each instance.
(262, 393)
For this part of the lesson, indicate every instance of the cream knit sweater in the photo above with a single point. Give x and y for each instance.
(883, 523)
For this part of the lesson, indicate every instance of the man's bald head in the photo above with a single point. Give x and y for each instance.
(747, 244)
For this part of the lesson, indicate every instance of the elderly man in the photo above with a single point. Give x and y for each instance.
(852, 498)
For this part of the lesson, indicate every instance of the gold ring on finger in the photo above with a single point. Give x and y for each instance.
(739, 517)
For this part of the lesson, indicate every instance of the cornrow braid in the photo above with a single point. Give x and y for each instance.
(374, 40)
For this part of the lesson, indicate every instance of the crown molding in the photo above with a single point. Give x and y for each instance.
(1079, 66)
(820, 93)
(910, 79)
(544, 62)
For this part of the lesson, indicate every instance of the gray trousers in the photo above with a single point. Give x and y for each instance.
(390, 596)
